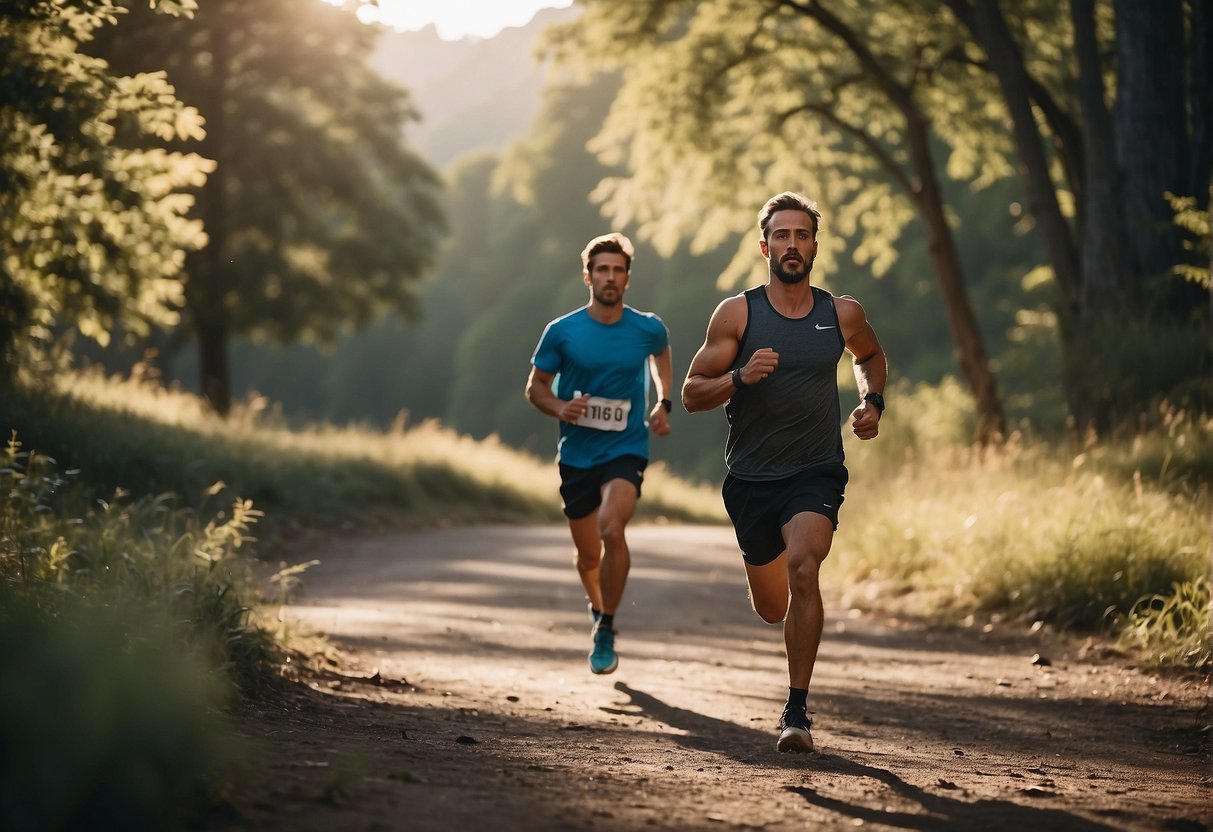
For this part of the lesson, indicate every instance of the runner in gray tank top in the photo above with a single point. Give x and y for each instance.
(790, 422)
(770, 357)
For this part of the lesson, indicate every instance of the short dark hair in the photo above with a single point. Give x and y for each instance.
(788, 201)
(614, 243)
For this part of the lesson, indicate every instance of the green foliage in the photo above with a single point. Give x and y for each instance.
(319, 217)
(1136, 367)
(1173, 451)
(92, 211)
(146, 440)
(1084, 539)
(122, 631)
(1093, 567)
(1199, 245)
(105, 723)
(1173, 628)
(723, 104)
(145, 555)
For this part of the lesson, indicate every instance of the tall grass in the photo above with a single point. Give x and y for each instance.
(123, 630)
(134, 435)
(1110, 537)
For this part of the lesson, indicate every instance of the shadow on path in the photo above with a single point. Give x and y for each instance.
(938, 812)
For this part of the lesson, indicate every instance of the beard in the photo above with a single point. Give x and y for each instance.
(791, 277)
(612, 299)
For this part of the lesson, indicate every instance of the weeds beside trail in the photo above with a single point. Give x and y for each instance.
(1110, 538)
(124, 628)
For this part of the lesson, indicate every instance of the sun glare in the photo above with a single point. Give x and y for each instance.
(453, 19)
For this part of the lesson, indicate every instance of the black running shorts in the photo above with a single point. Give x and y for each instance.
(760, 509)
(581, 488)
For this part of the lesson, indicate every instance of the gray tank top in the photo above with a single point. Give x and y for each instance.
(792, 420)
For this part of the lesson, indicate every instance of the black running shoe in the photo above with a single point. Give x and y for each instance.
(794, 733)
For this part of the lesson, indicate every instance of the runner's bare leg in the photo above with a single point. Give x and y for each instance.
(618, 505)
(589, 556)
(809, 536)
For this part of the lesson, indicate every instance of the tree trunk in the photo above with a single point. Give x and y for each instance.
(1200, 102)
(1006, 61)
(213, 368)
(1105, 278)
(974, 363)
(1151, 134)
(984, 18)
(923, 191)
(205, 291)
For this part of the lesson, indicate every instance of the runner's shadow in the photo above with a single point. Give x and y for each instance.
(938, 811)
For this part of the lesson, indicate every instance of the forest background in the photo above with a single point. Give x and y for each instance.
(513, 147)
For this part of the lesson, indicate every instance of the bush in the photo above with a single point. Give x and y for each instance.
(1094, 538)
(122, 634)
(105, 722)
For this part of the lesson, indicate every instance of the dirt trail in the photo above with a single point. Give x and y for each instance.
(466, 703)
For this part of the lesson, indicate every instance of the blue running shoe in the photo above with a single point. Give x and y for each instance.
(603, 658)
(794, 733)
(595, 616)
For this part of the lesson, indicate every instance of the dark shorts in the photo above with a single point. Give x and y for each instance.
(759, 510)
(581, 488)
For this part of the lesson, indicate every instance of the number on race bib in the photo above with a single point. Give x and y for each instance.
(605, 414)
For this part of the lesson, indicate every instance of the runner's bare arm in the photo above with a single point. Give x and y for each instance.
(868, 361)
(539, 393)
(709, 382)
(662, 367)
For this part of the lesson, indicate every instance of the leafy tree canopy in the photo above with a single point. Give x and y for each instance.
(741, 100)
(319, 217)
(93, 217)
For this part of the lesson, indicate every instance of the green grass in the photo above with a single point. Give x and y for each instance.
(106, 722)
(123, 630)
(149, 440)
(1108, 537)
(1171, 628)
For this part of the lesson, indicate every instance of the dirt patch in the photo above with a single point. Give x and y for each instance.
(463, 698)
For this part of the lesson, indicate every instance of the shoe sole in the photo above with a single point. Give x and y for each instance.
(796, 741)
(606, 670)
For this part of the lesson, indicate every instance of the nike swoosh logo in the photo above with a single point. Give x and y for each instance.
(819, 326)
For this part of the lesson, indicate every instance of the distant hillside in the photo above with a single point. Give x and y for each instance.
(472, 94)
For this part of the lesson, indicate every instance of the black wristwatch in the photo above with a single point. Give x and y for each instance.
(667, 404)
(876, 400)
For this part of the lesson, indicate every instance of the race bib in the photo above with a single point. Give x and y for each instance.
(606, 414)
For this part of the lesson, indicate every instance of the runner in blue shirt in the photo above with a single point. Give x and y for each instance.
(591, 371)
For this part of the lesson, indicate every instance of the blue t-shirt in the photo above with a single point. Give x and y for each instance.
(610, 361)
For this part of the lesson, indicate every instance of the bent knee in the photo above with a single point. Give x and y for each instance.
(612, 532)
(772, 612)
